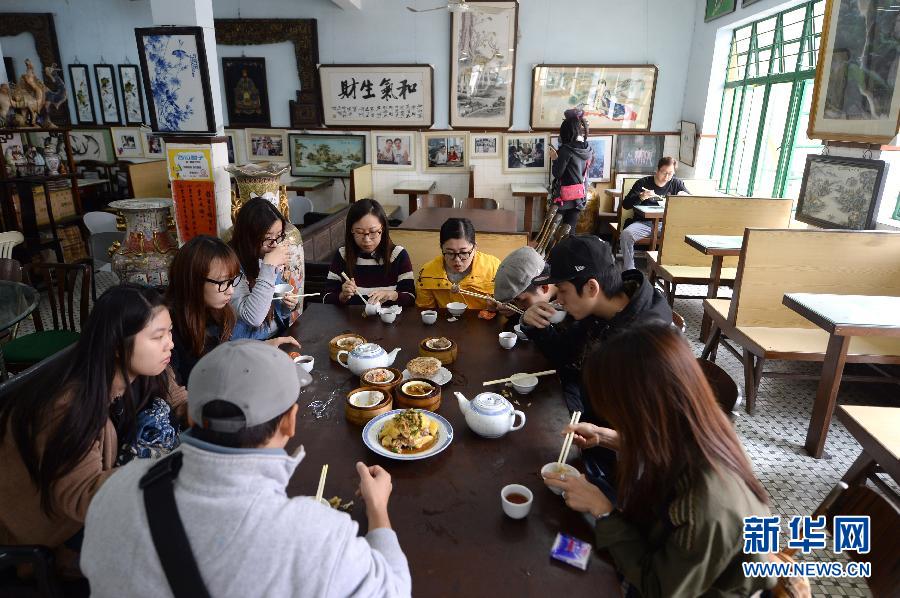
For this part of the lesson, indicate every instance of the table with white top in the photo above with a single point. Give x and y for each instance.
(414, 189)
(654, 214)
(530, 193)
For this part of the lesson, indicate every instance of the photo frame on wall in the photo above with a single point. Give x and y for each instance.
(266, 144)
(718, 8)
(132, 98)
(326, 155)
(237, 146)
(106, 93)
(176, 77)
(687, 144)
(377, 95)
(92, 144)
(639, 153)
(483, 64)
(82, 96)
(393, 150)
(600, 170)
(525, 152)
(484, 145)
(839, 192)
(246, 92)
(856, 96)
(445, 151)
(127, 142)
(613, 97)
(154, 146)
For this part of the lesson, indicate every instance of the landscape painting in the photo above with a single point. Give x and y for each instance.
(326, 155)
(839, 192)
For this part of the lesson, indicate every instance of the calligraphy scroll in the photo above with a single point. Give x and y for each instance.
(377, 95)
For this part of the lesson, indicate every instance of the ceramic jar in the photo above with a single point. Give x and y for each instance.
(149, 246)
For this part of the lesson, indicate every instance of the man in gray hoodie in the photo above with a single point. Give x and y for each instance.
(246, 536)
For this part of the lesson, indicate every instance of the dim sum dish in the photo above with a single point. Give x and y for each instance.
(439, 347)
(424, 367)
(419, 393)
(408, 434)
(384, 378)
(367, 402)
(344, 342)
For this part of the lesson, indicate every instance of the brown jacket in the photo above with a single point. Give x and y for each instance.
(22, 521)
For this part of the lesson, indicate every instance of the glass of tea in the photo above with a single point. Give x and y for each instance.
(515, 500)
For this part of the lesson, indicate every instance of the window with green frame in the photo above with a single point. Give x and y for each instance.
(761, 145)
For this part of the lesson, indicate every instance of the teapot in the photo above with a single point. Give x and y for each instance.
(367, 356)
(489, 414)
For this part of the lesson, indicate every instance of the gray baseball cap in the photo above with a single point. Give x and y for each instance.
(260, 380)
(516, 273)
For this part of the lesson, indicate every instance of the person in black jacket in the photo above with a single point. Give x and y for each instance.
(570, 164)
(648, 191)
(600, 301)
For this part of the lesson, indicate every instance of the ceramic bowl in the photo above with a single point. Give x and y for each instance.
(523, 386)
(565, 468)
(388, 317)
(457, 308)
(307, 362)
(283, 289)
(559, 316)
(373, 309)
(334, 347)
(446, 355)
(429, 316)
(406, 399)
(507, 339)
(365, 403)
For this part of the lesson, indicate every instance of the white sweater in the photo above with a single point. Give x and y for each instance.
(248, 537)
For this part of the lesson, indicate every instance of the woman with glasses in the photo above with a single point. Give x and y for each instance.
(378, 270)
(202, 280)
(460, 266)
(259, 242)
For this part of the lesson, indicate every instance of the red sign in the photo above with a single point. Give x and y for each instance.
(195, 208)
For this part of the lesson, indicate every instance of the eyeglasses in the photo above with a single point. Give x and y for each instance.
(459, 255)
(269, 242)
(361, 234)
(224, 284)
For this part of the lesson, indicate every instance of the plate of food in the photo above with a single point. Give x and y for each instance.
(407, 434)
(430, 368)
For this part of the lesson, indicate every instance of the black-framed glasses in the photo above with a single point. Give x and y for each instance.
(269, 242)
(365, 234)
(459, 255)
(224, 284)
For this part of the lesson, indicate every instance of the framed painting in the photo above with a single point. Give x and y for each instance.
(176, 77)
(106, 93)
(246, 92)
(266, 145)
(12, 146)
(393, 150)
(687, 144)
(525, 152)
(839, 192)
(132, 99)
(127, 142)
(237, 146)
(82, 95)
(718, 8)
(377, 95)
(485, 145)
(639, 153)
(154, 146)
(856, 96)
(483, 64)
(613, 97)
(445, 151)
(326, 155)
(601, 166)
(92, 144)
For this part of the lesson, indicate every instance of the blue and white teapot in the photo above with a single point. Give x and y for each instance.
(489, 414)
(367, 356)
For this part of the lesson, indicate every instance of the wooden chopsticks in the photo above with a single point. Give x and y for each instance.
(321, 487)
(517, 377)
(358, 294)
(567, 443)
(492, 300)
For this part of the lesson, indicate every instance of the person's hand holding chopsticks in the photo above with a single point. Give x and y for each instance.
(587, 435)
(375, 489)
(348, 289)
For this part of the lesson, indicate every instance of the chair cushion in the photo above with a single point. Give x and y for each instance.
(679, 273)
(34, 347)
(811, 343)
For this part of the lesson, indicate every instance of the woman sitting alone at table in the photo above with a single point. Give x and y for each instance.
(378, 269)
(202, 279)
(258, 240)
(671, 435)
(112, 398)
(459, 267)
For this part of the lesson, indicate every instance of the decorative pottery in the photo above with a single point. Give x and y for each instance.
(360, 416)
(489, 414)
(149, 245)
(366, 356)
(51, 158)
(446, 355)
(334, 347)
(406, 399)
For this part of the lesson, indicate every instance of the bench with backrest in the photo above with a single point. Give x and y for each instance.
(622, 214)
(679, 263)
(775, 262)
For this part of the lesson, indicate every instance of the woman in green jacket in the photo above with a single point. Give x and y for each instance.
(684, 481)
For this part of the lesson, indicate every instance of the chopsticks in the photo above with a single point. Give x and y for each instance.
(298, 295)
(491, 299)
(567, 443)
(321, 488)
(358, 294)
(517, 377)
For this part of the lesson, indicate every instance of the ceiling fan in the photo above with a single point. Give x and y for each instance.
(455, 6)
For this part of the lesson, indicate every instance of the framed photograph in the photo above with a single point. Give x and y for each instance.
(856, 96)
(839, 192)
(326, 155)
(12, 146)
(82, 95)
(613, 97)
(154, 146)
(687, 145)
(393, 150)
(106, 92)
(246, 92)
(377, 95)
(445, 151)
(237, 146)
(176, 77)
(525, 152)
(132, 98)
(718, 8)
(601, 167)
(127, 142)
(483, 64)
(266, 144)
(639, 153)
(92, 144)
(485, 145)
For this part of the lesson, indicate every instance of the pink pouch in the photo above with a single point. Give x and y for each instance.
(571, 192)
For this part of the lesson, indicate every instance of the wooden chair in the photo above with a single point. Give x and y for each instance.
(63, 289)
(435, 200)
(8, 241)
(480, 203)
(623, 214)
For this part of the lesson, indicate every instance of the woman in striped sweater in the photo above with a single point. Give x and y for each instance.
(378, 269)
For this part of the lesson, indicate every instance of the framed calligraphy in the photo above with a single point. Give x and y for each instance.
(246, 92)
(377, 95)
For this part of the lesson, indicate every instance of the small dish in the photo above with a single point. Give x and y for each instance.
(344, 342)
(372, 429)
(456, 308)
(555, 467)
(439, 347)
(525, 385)
(442, 376)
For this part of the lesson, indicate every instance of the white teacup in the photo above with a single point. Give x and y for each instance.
(516, 510)
(388, 317)
(283, 289)
(307, 362)
(429, 316)
(559, 316)
(373, 309)
(508, 339)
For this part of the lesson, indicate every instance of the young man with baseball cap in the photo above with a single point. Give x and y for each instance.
(213, 518)
(515, 279)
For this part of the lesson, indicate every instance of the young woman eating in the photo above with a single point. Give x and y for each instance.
(258, 241)
(378, 269)
(685, 484)
(202, 279)
(112, 399)
(461, 266)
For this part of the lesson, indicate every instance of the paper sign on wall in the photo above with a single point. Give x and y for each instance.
(195, 208)
(189, 164)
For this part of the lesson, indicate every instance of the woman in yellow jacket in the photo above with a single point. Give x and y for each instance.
(460, 263)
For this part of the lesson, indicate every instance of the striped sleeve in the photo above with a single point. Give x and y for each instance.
(406, 284)
(333, 281)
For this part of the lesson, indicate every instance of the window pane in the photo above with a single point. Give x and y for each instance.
(802, 146)
(772, 139)
(748, 133)
(722, 136)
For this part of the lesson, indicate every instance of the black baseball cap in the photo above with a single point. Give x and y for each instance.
(578, 256)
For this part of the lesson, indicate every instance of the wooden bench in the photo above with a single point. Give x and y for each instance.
(775, 262)
(623, 214)
(679, 263)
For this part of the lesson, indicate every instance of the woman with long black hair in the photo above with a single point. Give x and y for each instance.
(570, 166)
